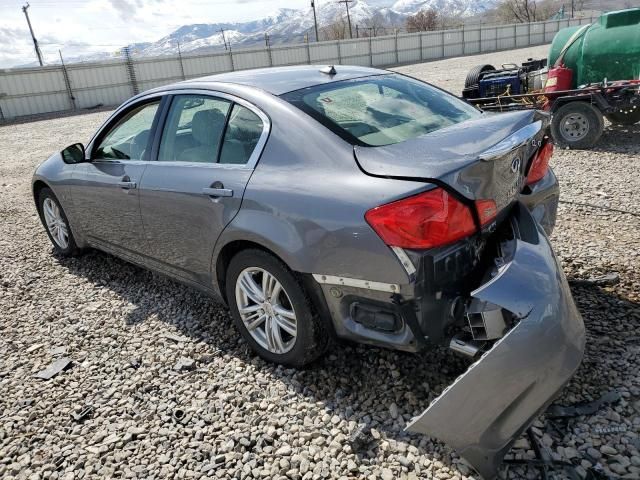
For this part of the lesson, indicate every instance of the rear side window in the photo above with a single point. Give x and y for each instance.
(382, 109)
(193, 129)
(241, 137)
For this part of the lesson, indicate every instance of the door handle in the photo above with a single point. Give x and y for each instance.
(128, 185)
(217, 192)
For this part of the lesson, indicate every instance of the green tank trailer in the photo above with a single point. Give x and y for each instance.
(592, 72)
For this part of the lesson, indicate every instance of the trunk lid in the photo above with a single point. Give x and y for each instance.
(485, 158)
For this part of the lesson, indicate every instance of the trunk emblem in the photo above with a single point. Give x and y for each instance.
(515, 165)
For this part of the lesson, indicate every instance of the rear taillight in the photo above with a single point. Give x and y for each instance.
(540, 163)
(430, 219)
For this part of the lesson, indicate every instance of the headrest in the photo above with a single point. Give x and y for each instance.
(207, 125)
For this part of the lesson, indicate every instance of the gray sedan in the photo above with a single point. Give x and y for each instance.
(348, 202)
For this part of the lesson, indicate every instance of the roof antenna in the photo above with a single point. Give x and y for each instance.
(329, 70)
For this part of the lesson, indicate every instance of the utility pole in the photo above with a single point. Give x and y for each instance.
(346, 4)
(315, 19)
(224, 39)
(572, 8)
(33, 37)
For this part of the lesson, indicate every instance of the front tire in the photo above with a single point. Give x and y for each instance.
(56, 224)
(578, 125)
(272, 311)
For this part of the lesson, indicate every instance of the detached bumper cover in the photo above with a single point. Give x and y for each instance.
(496, 399)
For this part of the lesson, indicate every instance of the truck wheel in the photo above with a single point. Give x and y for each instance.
(577, 125)
(621, 118)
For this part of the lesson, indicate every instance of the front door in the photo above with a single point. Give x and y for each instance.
(105, 190)
(206, 154)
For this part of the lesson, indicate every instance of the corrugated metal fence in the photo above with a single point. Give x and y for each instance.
(30, 91)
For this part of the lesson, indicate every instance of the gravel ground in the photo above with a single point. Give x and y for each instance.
(174, 391)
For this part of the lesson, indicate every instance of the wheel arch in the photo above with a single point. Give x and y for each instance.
(227, 252)
(233, 247)
(36, 188)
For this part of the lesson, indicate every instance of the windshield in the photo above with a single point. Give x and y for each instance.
(382, 109)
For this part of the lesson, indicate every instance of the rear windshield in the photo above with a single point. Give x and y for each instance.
(382, 109)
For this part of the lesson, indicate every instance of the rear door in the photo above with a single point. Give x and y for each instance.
(205, 155)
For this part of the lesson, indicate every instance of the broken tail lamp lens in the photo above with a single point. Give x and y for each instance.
(429, 219)
(540, 164)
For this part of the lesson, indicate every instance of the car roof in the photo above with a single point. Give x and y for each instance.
(280, 80)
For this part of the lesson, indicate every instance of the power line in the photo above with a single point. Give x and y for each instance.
(33, 37)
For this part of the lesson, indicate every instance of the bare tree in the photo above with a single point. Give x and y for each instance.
(423, 21)
(374, 25)
(524, 11)
(338, 30)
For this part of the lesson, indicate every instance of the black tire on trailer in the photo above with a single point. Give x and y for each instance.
(475, 74)
(625, 118)
(577, 124)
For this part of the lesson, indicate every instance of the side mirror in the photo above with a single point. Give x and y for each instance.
(73, 153)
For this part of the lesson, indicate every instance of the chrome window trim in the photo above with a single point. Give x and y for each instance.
(255, 155)
(257, 151)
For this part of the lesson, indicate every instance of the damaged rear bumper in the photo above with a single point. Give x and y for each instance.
(496, 399)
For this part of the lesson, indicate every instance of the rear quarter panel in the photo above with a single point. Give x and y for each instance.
(307, 198)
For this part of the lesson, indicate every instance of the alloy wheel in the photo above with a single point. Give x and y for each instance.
(55, 223)
(266, 310)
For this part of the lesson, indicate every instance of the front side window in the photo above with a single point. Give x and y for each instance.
(129, 138)
(381, 109)
(194, 129)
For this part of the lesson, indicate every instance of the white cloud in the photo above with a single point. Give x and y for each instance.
(78, 27)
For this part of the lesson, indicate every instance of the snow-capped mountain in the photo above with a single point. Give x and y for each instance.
(291, 25)
(448, 7)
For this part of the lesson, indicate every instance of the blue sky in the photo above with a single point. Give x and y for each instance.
(83, 26)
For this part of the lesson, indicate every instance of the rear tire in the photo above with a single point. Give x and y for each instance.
(620, 118)
(56, 224)
(578, 125)
(281, 327)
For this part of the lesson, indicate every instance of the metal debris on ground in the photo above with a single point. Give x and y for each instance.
(82, 414)
(360, 438)
(54, 369)
(27, 402)
(178, 415)
(609, 430)
(583, 408)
